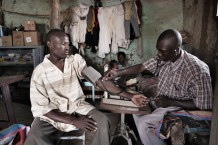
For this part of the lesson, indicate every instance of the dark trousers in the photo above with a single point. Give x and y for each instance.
(43, 133)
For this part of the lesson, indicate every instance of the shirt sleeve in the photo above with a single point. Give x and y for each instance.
(151, 65)
(202, 91)
(79, 64)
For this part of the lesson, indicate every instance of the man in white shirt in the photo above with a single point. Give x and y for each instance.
(57, 99)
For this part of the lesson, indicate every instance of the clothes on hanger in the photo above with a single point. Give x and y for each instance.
(108, 25)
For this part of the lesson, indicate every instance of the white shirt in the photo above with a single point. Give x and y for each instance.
(51, 88)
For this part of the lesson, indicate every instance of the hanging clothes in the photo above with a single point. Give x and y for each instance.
(108, 3)
(111, 21)
(90, 19)
(92, 35)
(131, 19)
(78, 24)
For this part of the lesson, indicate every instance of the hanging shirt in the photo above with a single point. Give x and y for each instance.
(78, 24)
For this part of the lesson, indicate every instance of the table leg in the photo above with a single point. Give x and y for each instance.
(124, 131)
(93, 94)
(8, 103)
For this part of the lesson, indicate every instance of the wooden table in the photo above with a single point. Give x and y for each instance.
(4, 84)
(123, 128)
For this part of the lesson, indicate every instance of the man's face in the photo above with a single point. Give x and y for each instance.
(166, 50)
(59, 46)
(121, 59)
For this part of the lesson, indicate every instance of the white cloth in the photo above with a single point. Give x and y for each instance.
(111, 22)
(78, 24)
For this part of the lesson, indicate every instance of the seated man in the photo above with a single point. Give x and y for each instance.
(183, 82)
(57, 99)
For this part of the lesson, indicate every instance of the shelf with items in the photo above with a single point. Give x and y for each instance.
(20, 59)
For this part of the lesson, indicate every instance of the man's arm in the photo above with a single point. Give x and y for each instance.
(83, 122)
(163, 101)
(132, 70)
(139, 99)
(96, 79)
(202, 91)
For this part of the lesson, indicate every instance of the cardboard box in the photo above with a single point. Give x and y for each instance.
(18, 38)
(30, 25)
(6, 40)
(32, 38)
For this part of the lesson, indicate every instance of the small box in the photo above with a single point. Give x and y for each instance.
(30, 25)
(18, 38)
(6, 40)
(32, 38)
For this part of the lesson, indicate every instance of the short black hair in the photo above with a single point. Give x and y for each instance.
(172, 34)
(112, 63)
(121, 53)
(54, 32)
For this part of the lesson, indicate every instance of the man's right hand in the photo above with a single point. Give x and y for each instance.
(85, 123)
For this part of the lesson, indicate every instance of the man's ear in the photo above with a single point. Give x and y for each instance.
(48, 44)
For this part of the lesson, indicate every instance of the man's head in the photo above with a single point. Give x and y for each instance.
(168, 45)
(58, 43)
(121, 56)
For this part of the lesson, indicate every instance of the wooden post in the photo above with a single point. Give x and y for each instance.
(55, 13)
(1, 14)
(214, 123)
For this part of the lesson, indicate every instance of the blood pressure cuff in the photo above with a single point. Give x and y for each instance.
(91, 75)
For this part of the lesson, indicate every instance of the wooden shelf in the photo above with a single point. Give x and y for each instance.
(15, 63)
(20, 47)
(20, 63)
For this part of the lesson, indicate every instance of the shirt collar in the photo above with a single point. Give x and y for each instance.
(46, 61)
(176, 65)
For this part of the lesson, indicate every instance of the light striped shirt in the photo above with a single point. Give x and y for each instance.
(186, 78)
(53, 89)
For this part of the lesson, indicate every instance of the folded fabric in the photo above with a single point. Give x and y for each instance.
(195, 122)
(14, 135)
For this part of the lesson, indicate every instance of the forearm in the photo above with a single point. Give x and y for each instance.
(58, 116)
(131, 70)
(111, 88)
(185, 104)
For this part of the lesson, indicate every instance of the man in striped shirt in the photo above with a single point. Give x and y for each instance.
(183, 81)
(57, 99)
